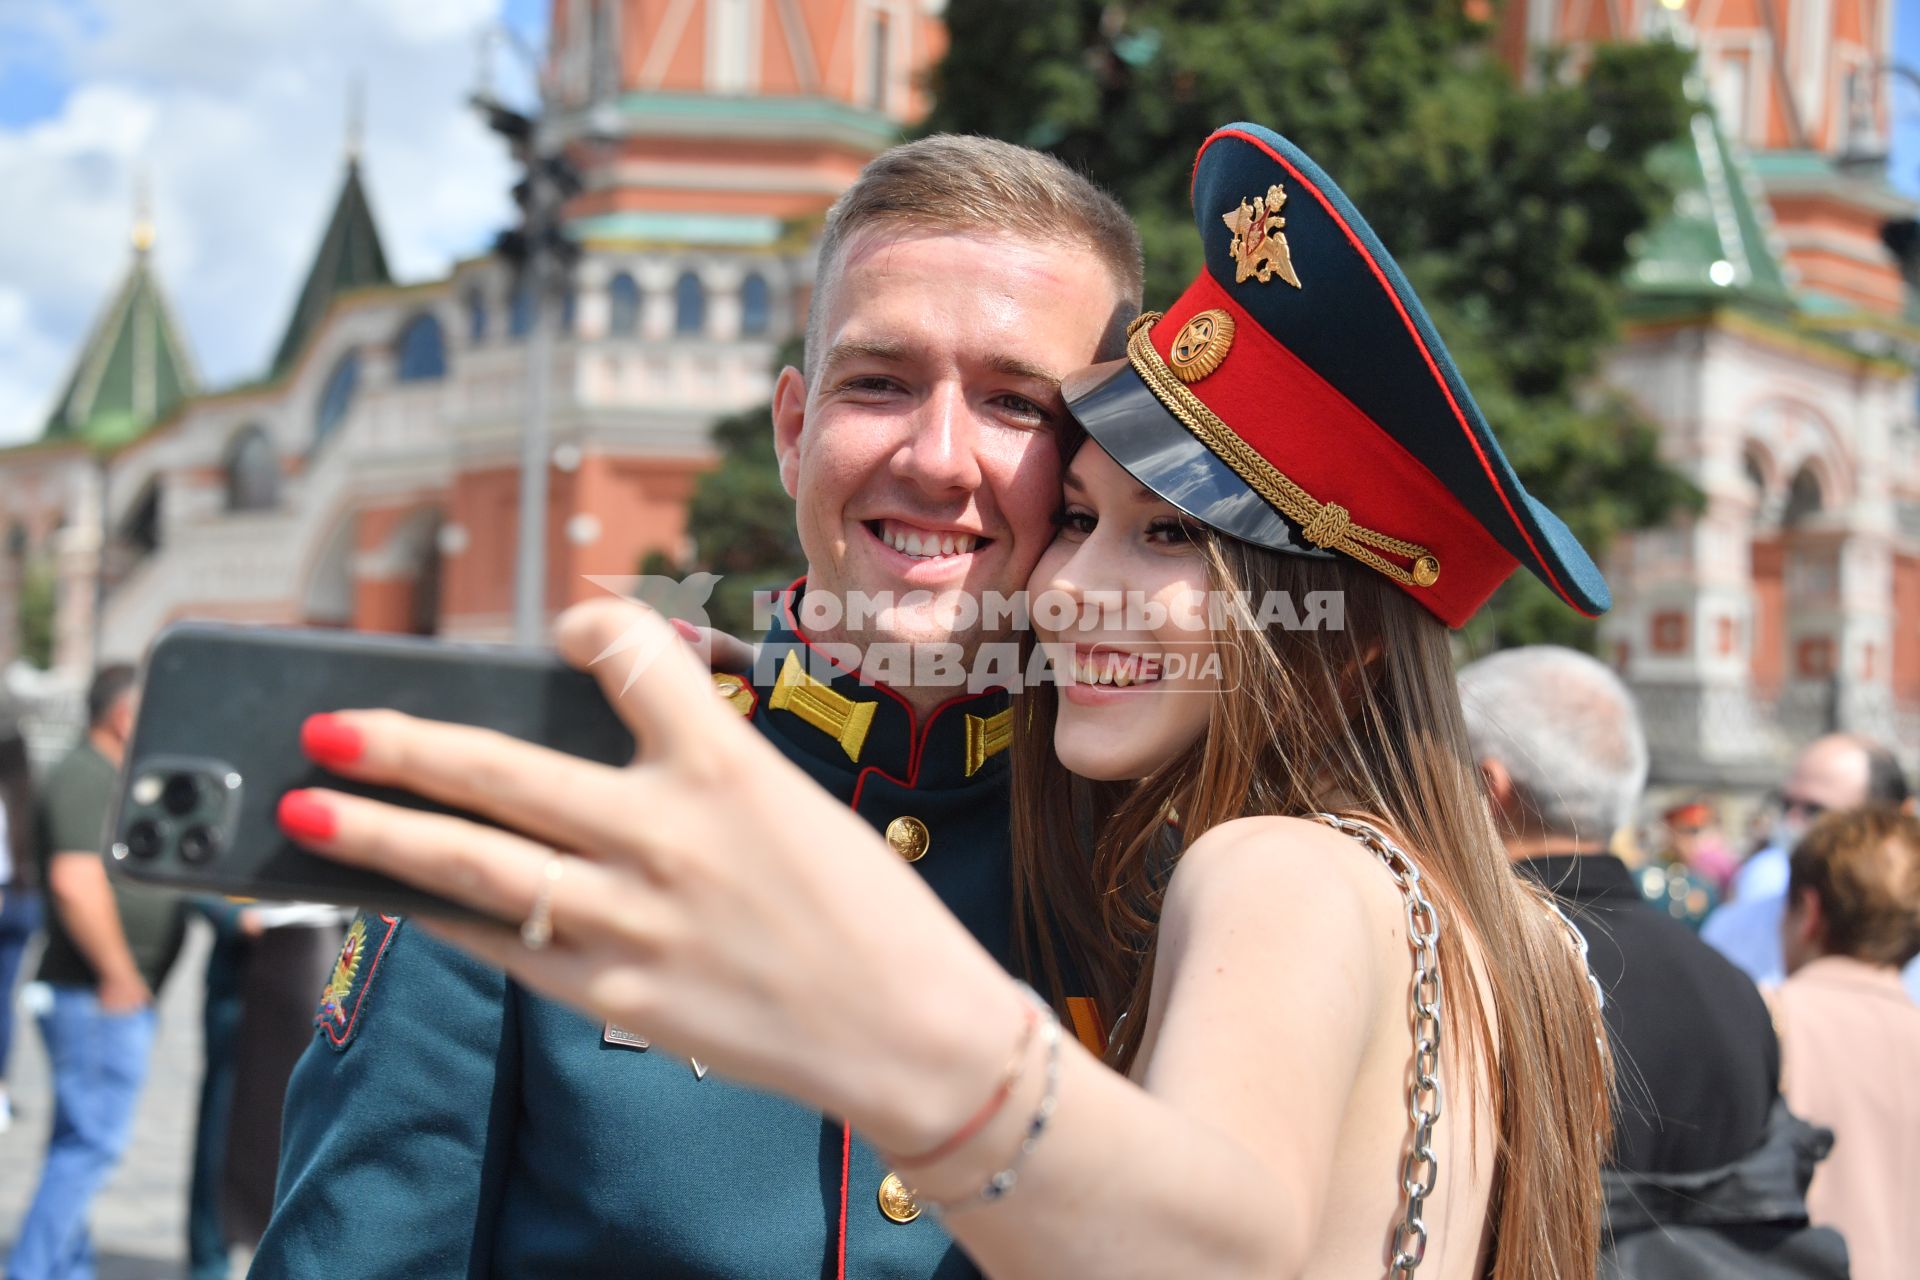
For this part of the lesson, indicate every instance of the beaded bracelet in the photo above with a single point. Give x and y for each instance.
(1001, 1184)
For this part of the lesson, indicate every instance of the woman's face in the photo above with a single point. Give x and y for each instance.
(1143, 666)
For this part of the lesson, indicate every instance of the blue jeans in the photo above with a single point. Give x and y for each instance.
(19, 918)
(99, 1062)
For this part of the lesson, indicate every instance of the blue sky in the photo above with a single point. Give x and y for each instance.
(1905, 167)
(234, 111)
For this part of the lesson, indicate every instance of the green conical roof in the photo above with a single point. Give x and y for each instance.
(350, 256)
(1718, 238)
(133, 369)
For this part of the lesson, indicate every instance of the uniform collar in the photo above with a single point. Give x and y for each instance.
(836, 715)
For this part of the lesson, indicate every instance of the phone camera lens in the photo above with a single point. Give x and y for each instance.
(198, 845)
(143, 841)
(181, 795)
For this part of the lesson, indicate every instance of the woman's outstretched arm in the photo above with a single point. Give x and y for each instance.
(693, 901)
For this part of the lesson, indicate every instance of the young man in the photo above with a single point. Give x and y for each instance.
(447, 1122)
(109, 946)
(1849, 1037)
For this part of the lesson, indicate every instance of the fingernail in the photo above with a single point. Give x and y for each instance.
(304, 817)
(327, 739)
(688, 632)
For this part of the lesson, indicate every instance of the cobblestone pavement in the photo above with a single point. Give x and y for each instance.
(139, 1220)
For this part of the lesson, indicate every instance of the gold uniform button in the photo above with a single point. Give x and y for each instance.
(896, 1201)
(1426, 571)
(735, 692)
(909, 838)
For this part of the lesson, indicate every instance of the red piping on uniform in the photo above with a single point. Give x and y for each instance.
(917, 733)
(1413, 330)
(917, 736)
(846, 1176)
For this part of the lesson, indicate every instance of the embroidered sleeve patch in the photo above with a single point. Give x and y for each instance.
(343, 1000)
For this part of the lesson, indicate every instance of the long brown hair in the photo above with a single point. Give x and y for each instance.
(1369, 712)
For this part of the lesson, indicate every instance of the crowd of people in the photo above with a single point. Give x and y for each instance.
(1329, 962)
(108, 946)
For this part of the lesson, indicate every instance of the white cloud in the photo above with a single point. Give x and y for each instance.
(235, 111)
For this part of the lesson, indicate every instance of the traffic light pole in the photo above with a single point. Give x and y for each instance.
(530, 561)
(543, 257)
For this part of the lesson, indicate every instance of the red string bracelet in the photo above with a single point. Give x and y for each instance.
(1016, 1067)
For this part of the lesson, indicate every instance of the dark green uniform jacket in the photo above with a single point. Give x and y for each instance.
(446, 1122)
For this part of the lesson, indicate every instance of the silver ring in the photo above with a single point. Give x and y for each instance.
(537, 932)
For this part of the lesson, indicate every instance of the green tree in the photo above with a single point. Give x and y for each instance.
(35, 613)
(741, 518)
(1510, 208)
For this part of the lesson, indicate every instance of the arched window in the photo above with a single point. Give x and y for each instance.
(689, 304)
(520, 314)
(623, 306)
(253, 472)
(421, 350)
(476, 316)
(141, 529)
(337, 398)
(1804, 499)
(756, 307)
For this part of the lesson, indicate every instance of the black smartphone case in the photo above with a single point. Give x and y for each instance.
(227, 702)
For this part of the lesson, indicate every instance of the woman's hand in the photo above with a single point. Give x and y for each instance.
(709, 896)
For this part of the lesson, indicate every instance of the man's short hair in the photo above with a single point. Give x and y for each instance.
(1863, 866)
(109, 682)
(958, 183)
(1567, 732)
(1886, 781)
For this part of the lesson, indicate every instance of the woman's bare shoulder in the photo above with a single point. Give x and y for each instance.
(1283, 874)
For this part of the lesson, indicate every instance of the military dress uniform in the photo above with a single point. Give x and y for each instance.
(448, 1122)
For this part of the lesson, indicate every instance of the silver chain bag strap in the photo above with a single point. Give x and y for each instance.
(1421, 1169)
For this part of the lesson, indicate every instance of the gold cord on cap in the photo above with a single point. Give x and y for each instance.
(1325, 524)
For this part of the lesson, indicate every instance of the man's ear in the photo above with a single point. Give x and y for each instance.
(789, 417)
(1808, 922)
(1498, 781)
(1500, 794)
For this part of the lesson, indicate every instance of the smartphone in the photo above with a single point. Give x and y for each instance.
(217, 743)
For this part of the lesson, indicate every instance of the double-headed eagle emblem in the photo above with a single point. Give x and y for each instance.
(1259, 247)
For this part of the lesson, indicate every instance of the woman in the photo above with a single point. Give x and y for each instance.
(19, 900)
(1206, 850)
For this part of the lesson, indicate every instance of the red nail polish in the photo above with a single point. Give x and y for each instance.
(305, 818)
(688, 632)
(329, 740)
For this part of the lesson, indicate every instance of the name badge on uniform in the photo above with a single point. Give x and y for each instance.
(621, 1038)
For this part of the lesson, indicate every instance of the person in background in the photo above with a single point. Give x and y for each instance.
(1839, 771)
(110, 945)
(19, 899)
(1849, 1037)
(1688, 876)
(1695, 840)
(234, 928)
(1560, 747)
(1707, 1176)
(268, 959)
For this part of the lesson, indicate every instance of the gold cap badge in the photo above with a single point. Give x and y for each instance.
(1201, 345)
(1259, 248)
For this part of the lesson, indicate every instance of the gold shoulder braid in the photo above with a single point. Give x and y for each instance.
(1421, 1169)
(1325, 524)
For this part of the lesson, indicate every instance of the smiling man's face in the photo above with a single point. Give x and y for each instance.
(922, 455)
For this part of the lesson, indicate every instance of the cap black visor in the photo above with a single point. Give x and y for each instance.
(1127, 420)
